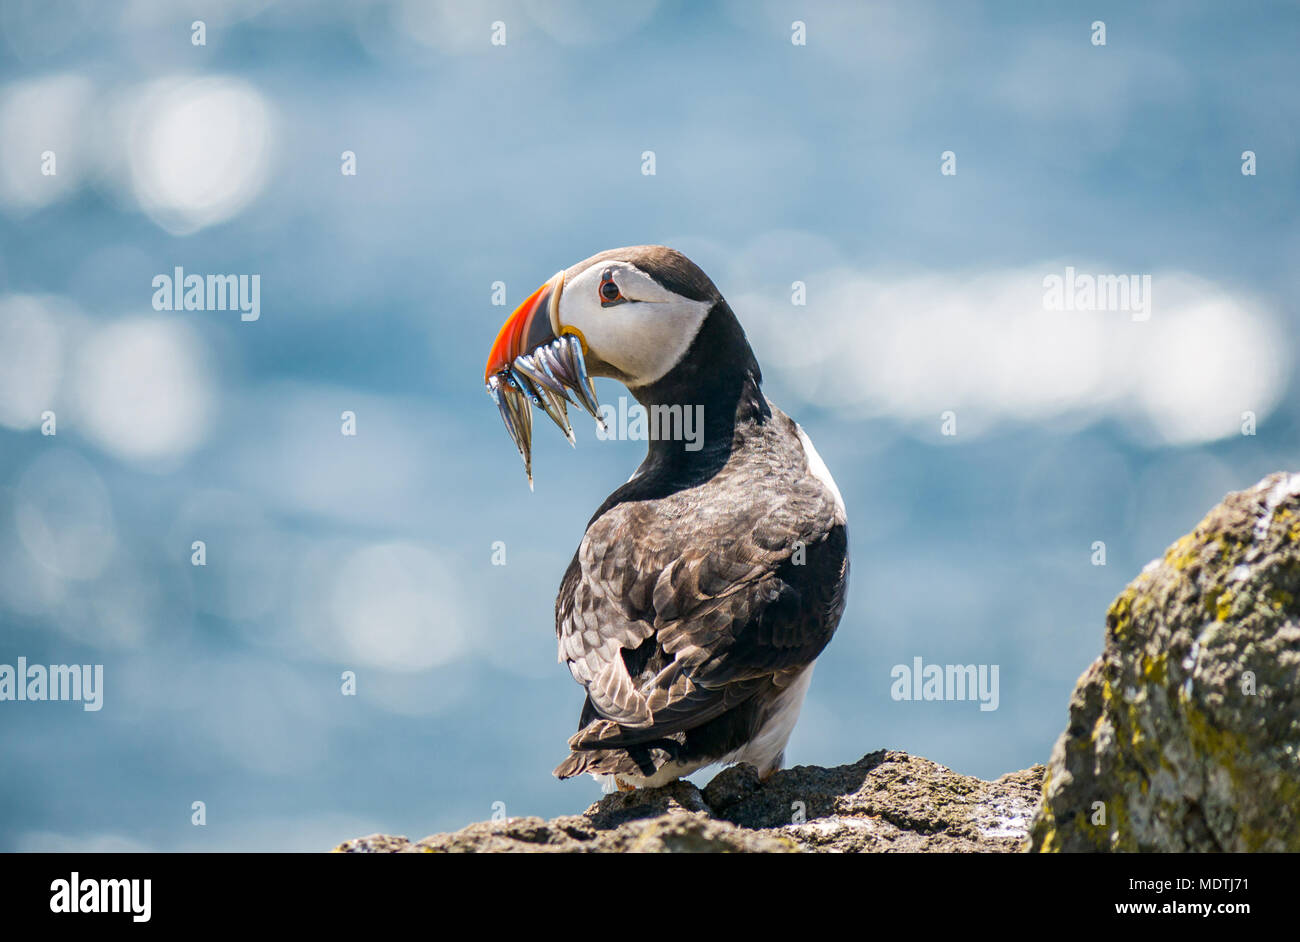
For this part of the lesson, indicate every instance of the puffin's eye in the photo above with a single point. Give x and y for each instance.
(609, 293)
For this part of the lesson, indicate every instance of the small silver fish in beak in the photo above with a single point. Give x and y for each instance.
(528, 362)
(504, 389)
(553, 394)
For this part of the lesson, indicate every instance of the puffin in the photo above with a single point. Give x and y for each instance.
(706, 587)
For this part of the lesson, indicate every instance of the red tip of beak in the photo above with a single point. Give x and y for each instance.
(524, 330)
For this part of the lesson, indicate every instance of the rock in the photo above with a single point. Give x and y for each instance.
(886, 801)
(1185, 734)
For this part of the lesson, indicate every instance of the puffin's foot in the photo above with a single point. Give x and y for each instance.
(623, 786)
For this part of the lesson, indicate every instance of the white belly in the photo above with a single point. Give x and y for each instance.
(766, 750)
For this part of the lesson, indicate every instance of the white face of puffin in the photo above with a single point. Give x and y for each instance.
(607, 319)
(627, 320)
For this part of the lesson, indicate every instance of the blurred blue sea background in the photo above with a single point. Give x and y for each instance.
(477, 163)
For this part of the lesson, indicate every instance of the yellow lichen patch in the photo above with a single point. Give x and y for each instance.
(1153, 669)
(1121, 612)
(1218, 602)
(1183, 553)
(1224, 606)
(1224, 546)
(1212, 598)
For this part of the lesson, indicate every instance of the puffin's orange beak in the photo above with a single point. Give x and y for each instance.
(535, 322)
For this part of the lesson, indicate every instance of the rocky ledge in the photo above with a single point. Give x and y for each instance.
(886, 801)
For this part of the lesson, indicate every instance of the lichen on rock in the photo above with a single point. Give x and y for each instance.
(1185, 734)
